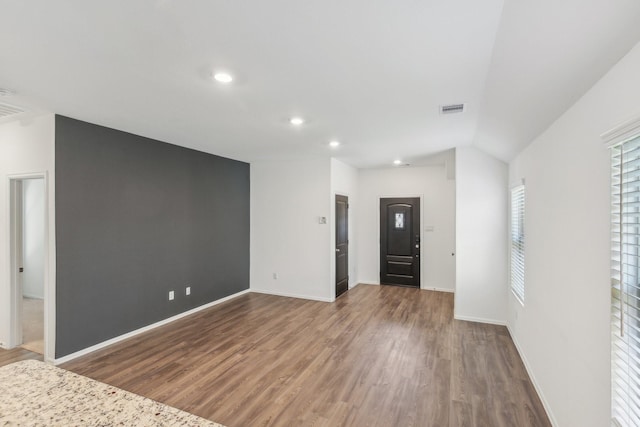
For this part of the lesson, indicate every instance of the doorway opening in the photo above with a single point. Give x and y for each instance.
(400, 241)
(28, 262)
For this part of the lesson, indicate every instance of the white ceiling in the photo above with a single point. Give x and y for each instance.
(369, 73)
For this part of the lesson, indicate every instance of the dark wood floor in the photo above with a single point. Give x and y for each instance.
(378, 356)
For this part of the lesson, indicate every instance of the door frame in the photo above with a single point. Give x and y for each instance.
(379, 237)
(16, 254)
(14, 183)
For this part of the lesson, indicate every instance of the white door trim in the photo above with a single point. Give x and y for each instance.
(16, 247)
(49, 269)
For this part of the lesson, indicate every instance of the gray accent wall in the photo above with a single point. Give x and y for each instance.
(136, 218)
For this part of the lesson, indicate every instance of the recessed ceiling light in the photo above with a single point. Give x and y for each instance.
(334, 144)
(296, 121)
(223, 77)
(397, 162)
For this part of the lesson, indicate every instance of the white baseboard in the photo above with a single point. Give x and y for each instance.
(480, 320)
(117, 339)
(431, 288)
(291, 295)
(32, 296)
(527, 366)
(369, 283)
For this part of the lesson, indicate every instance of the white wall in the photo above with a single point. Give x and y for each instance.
(481, 236)
(438, 211)
(287, 199)
(563, 330)
(344, 181)
(26, 147)
(33, 197)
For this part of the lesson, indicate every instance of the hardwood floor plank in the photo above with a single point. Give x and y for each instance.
(17, 354)
(460, 414)
(379, 355)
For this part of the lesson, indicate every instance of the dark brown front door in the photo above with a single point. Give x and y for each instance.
(342, 244)
(400, 241)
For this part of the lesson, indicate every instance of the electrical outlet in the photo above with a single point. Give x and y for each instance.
(275, 276)
(187, 291)
(171, 295)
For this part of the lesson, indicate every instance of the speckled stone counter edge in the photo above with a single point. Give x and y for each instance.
(36, 394)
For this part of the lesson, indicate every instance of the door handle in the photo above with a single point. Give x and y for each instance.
(21, 270)
(337, 250)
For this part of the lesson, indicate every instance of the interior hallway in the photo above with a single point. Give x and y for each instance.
(33, 324)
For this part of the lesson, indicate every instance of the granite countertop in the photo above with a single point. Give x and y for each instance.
(33, 393)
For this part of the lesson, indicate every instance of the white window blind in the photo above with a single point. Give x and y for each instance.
(625, 283)
(517, 241)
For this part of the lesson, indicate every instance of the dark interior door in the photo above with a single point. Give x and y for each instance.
(400, 241)
(342, 244)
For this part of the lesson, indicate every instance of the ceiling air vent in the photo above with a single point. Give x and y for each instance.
(9, 110)
(451, 108)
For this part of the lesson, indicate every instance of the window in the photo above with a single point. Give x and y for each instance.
(517, 241)
(625, 286)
